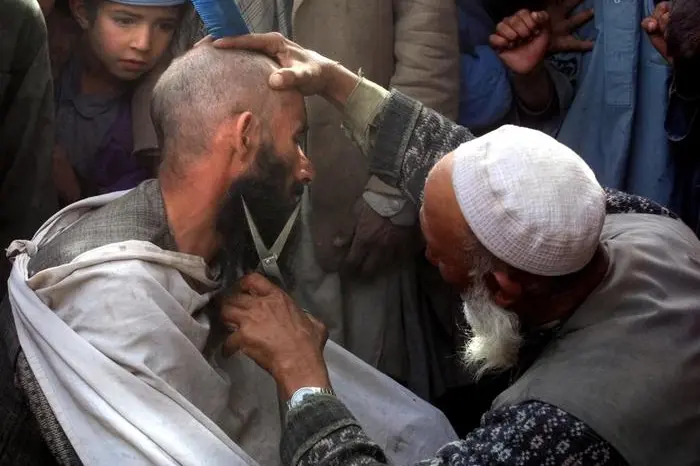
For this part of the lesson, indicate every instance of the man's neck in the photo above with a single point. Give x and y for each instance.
(191, 218)
(560, 305)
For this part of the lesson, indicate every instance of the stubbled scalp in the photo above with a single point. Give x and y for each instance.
(200, 90)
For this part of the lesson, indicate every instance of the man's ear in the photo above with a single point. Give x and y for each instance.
(505, 290)
(238, 140)
(80, 13)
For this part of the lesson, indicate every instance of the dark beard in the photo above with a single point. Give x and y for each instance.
(270, 202)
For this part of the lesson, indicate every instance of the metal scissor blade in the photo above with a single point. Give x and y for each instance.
(260, 247)
(281, 240)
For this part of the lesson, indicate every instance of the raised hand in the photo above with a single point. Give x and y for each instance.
(564, 24)
(656, 26)
(522, 40)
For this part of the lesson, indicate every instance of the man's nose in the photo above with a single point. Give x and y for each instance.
(141, 38)
(306, 171)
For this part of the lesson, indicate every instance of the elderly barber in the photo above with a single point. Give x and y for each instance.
(587, 297)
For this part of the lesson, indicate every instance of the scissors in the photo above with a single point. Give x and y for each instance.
(268, 265)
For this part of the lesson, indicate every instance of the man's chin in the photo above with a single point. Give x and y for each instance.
(493, 339)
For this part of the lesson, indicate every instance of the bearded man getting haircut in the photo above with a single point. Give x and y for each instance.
(112, 299)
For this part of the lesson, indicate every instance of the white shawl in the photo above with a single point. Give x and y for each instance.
(115, 342)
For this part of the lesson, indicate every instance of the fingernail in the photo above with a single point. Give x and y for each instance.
(276, 80)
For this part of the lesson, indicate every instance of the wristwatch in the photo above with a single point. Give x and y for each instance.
(305, 392)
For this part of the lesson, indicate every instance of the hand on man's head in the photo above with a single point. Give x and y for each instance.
(304, 70)
(301, 68)
(273, 331)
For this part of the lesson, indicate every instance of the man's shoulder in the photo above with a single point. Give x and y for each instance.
(138, 215)
(647, 226)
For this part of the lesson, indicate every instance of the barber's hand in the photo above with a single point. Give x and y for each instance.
(522, 40)
(564, 24)
(301, 68)
(64, 177)
(377, 243)
(272, 330)
(307, 71)
(656, 26)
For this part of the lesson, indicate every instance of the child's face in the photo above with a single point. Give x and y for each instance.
(129, 40)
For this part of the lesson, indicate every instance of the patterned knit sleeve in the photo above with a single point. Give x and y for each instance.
(618, 202)
(407, 140)
(324, 433)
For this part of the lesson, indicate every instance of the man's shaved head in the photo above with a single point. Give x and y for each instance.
(226, 136)
(202, 89)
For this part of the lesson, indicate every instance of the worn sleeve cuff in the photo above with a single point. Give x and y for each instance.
(361, 109)
(392, 133)
(310, 423)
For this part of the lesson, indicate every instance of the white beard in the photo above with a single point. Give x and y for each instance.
(494, 339)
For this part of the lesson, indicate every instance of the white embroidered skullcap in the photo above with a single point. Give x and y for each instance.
(530, 200)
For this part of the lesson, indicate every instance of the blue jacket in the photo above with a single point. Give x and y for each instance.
(616, 120)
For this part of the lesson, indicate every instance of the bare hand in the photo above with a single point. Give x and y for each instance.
(377, 243)
(564, 24)
(656, 26)
(301, 68)
(64, 177)
(522, 40)
(272, 330)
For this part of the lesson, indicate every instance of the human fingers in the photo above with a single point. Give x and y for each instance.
(569, 5)
(505, 30)
(650, 25)
(520, 28)
(579, 19)
(257, 285)
(572, 44)
(232, 344)
(541, 19)
(526, 17)
(498, 42)
(271, 44)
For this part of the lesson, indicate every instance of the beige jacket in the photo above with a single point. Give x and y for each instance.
(411, 45)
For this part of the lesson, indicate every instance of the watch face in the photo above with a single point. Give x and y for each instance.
(300, 394)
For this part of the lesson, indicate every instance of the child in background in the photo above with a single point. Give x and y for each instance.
(120, 43)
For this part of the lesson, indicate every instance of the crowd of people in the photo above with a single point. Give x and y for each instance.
(493, 259)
